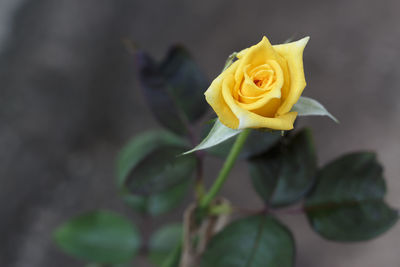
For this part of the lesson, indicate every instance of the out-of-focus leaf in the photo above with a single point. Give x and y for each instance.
(152, 175)
(253, 241)
(218, 134)
(307, 107)
(258, 142)
(163, 242)
(174, 88)
(158, 203)
(99, 236)
(347, 203)
(139, 147)
(188, 81)
(285, 173)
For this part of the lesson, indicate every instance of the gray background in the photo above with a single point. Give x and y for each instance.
(69, 100)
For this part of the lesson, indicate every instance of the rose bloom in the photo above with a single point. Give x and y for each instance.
(260, 88)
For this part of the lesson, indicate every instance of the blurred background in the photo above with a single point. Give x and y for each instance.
(69, 99)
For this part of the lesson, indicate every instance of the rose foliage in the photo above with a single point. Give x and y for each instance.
(255, 98)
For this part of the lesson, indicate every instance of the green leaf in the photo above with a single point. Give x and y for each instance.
(99, 236)
(151, 175)
(258, 142)
(253, 241)
(218, 134)
(347, 203)
(307, 106)
(188, 82)
(163, 242)
(158, 203)
(174, 88)
(139, 148)
(286, 172)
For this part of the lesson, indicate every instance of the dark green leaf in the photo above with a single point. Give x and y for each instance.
(286, 172)
(256, 241)
(347, 203)
(258, 142)
(188, 82)
(156, 92)
(174, 89)
(99, 236)
(140, 147)
(158, 203)
(152, 177)
(163, 242)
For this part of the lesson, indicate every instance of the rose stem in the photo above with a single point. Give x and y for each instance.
(223, 174)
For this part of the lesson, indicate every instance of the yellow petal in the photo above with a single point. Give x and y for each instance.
(242, 53)
(268, 110)
(248, 119)
(248, 88)
(217, 102)
(257, 55)
(293, 53)
(275, 91)
(247, 99)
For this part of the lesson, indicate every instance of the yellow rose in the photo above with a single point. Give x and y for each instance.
(260, 88)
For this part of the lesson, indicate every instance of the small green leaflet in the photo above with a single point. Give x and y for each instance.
(218, 134)
(307, 106)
